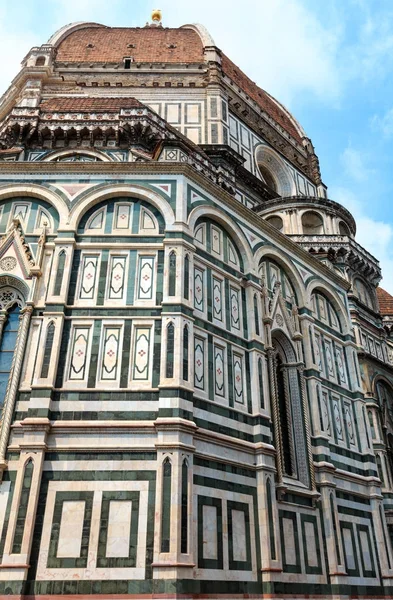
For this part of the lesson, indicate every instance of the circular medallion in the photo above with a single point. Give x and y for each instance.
(279, 320)
(8, 263)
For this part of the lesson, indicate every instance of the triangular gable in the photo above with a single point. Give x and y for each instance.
(277, 311)
(16, 257)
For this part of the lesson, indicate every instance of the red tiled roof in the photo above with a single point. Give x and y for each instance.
(153, 44)
(111, 44)
(385, 301)
(259, 96)
(88, 104)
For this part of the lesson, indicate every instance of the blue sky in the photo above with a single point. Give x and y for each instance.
(330, 62)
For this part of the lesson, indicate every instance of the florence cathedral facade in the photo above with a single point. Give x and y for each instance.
(196, 359)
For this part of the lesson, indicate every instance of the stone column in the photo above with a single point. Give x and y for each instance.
(3, 318)
(13, 382)
(275, 413)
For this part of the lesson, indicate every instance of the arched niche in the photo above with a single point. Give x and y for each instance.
(276, 221)
(363, 292)
(233, 230)
(73, 155)
(274, 172)
(312, 223)
(33, 214)
(122, 216)
(217, 241)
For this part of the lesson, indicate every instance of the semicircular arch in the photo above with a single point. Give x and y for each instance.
(266, 252)
(120, 191)
(215, 214)
(331, 295)
(266, 158)
(61, 154)
(40, 192)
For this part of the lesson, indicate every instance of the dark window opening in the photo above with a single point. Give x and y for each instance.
(285, 420)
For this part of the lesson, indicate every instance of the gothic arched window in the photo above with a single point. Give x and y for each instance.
(170, 349)
(7, 348)
(288, 409)
(172, 274)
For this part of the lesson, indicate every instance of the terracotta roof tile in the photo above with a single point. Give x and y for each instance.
(259, 96)
(385, 301)
(111, 44)
(86, 104)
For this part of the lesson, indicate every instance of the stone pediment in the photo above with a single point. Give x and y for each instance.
(276, 313)
(16, 257)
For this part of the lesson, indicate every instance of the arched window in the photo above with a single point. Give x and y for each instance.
(172, 274)
(256, 315)
(170, 349)
(288, 449)
(7, 348)
(166, 506)
(324, 311)
(59, 273)
(273, 273)
(50, 333)
(23, 505)
(268, 177)
(363, 293)
(185, 353)
(40, 61)
(276, 221)
(260, 378)
(184, 508)
(186, 278)
(371, 423)
(288, 409)
(312, 223)
(343, 228)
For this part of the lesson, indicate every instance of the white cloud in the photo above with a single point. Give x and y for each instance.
(279, 43)
(383, 124)
(375, 236)
(355, 164)
(14, 45)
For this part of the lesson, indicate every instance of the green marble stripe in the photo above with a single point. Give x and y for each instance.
(121, 415)
(210, 366)
(96, 396)
(100, 456)
(232, 415)
(222, 484)
(103, 277)
(22, 510)
(335, 449)
(95, 348)
(106, 311)
(224, 467)
(126, 355)
(74, 276)
(63, 354)
(160, 277)
(120, 239)
(131, 277)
